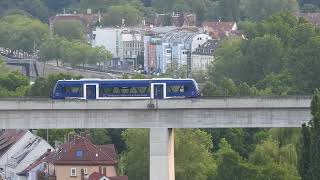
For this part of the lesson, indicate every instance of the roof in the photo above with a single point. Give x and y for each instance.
(209, 45)
(98, 176)
(314, 18)
(46, 157)
(80, 151)
(179, 36)
(8, 138)
(225, 26)
(218, 30)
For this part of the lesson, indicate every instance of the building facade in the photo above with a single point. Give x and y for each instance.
(203, 55)
(19, 149)
(175, 49)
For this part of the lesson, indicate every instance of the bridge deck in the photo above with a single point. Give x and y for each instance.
(173, 113)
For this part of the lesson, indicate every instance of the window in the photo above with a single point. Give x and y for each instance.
(73, 172)
(85, 171)
(79, 153)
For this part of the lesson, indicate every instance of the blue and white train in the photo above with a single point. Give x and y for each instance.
(125, 89)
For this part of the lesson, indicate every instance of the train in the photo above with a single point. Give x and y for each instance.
(96, 89)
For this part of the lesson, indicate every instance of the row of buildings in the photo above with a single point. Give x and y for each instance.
(156, 49)
(25, 156)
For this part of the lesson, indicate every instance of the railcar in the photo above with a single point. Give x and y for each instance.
(125, 89)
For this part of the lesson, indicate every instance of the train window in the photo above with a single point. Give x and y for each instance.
(73, 89)
(175, 89)
(143, 90)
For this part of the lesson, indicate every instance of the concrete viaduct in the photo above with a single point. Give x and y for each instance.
(161, 116)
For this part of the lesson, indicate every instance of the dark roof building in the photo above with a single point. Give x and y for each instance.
(313, 18)
(80, 151)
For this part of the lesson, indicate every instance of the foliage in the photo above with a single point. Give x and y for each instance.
(54, 135)
(278, 56)
(192, 153)
(69, 30)
(310, 154)
(22, 33)
(261, 9)
(34, 7)
(43, 87)
(116, 14)
(135, 160)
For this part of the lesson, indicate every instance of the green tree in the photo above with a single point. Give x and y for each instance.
(135, 160)
(260, 9)
(192, 153)
(310, 165)
(129, 13)
(54, 135)
(43, 87)
(22, 33)
(70, 30)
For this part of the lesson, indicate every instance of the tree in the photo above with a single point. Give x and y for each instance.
(192, 153)
(43, 87)
(310, 165)
(135, 160)
(116, 14)
(229, 10)
(70, 30)
(22, 33)
(260, 9)
(55, 135)
(36, 8)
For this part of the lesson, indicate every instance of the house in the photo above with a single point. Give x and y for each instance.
(313, 18)
(203, 55)
(19, 149)
(76, 159)
(220, 30)
(175, 19)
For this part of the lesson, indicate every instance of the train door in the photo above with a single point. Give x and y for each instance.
(158, 91)
(91, 91)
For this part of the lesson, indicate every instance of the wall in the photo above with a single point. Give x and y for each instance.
(63, 171)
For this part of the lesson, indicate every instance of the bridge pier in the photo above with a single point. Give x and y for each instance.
(162, 154)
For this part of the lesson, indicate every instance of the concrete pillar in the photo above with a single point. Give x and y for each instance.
(161, 154)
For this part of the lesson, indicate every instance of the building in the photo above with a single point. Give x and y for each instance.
(133, 49)
(313, 18)
(220, 30)
(203, 55)
(19, 149)
(76, 160)
(174, 49)
(100, 176)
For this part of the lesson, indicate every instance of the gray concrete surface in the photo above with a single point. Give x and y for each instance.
(173, 113)
(158, 115)
(162, 154)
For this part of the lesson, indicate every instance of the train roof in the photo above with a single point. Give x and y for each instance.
(155, 79)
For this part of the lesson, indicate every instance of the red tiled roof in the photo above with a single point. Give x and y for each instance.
(46, 157)
(224, 26)
(8, 138)
(97, 176)
(88, 153)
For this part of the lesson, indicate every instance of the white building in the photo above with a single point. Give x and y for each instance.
(110, 38)
(203, 55)
(176, 48)
(19, 149)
